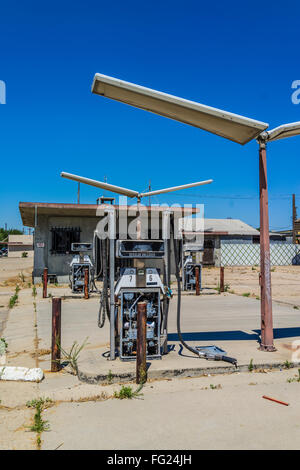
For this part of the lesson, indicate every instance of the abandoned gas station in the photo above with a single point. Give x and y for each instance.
(136, 273)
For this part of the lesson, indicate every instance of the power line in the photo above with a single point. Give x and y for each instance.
(210, 196)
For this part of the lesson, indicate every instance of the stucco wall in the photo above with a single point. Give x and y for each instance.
(59, 263)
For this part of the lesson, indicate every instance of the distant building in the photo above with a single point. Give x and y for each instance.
(18, 244)
(217, 231)
(297, 230)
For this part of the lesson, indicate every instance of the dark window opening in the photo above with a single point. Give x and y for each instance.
(62, 238)
(209, 243)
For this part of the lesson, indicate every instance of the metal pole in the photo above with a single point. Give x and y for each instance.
(111, 231)
(197, 280)
(267, 339)
(56, 334)
(45, 282)
(78, 194)
(166, 232)
(139, 223)
(86, 283)
(182, 268)
(141, 365)
(222, 279)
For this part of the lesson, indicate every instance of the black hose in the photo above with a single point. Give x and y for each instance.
(101, 312)
(166, 302)
(105, 283)
(199, 353)
(190, 348)
(104, 308)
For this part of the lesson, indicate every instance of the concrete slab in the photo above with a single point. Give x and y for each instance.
(231, 322)
(185, 414)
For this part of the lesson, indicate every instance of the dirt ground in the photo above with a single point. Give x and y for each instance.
(15, 270)
(238, 280)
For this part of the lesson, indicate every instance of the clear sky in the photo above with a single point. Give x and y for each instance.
(238, 56)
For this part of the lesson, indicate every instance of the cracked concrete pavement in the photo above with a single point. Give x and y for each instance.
(180, 413)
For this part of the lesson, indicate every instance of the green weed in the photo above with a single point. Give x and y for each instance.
(295, 379)
(215, 387)
(109, 376)
(13, 300)
(71, 357)
(3, 346)
(39, 424)
(127, 392)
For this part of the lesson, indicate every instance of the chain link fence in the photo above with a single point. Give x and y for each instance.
(248, 254)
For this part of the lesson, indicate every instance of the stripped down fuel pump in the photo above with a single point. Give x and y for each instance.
(129, 271)
(136, 284)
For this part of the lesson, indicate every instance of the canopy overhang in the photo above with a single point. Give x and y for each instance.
(223, 123)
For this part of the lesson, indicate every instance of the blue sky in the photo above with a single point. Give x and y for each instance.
(238, 56)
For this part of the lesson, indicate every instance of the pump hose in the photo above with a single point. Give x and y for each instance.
(104, 303)
(101, 312)
(105, 279)
(190, 348)
(166, 303)
(216, 357)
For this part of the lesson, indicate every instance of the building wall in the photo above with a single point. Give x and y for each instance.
(58, 263)
(15, 251)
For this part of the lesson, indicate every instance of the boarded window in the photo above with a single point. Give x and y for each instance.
(62, 238)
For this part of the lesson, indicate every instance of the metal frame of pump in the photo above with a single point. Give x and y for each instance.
(80, 262)
(108, 302)
(112, 294)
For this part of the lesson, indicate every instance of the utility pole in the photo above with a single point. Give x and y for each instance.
(294, 218)
(149, 191)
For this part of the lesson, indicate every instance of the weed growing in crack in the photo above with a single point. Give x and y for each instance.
(71, 357)
(39, 424)
(13, 300)
(128, 393)
(295, 379)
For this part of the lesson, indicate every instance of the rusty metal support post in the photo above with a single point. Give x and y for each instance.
(267, 339)
(56, 334)
(197, 280)
(222, 287)
(86, 283)
(141, 366)
(45, 283)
